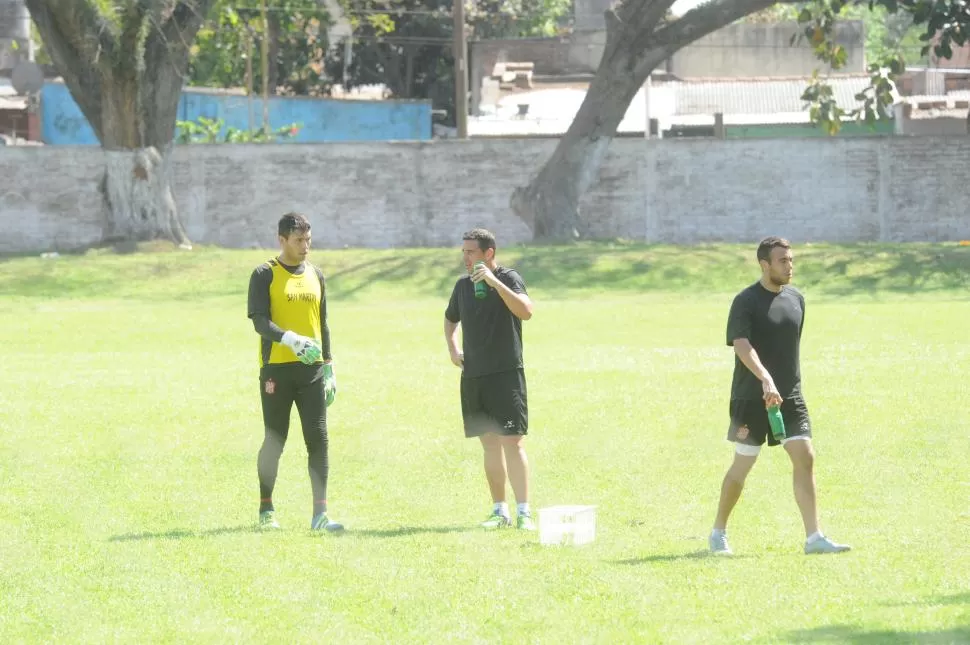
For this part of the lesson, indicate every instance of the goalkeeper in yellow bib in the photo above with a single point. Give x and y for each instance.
(288, 307)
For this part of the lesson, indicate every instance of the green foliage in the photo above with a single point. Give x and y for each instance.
(943, 22)
(886, 34)
(296, 31)
(518, 18)
(206, 130)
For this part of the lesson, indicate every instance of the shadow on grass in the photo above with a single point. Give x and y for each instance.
(857, 636)
(935, 601)
(677, 557)
(405, 531)
(181, 534)
(600, 266)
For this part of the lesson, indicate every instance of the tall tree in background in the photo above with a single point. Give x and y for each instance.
(125, 62)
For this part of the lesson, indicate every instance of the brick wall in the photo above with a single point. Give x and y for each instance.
(425, 194)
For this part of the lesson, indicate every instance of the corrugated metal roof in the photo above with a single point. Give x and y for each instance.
(757, 96)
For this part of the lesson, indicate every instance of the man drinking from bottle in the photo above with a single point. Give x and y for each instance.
(489, 304)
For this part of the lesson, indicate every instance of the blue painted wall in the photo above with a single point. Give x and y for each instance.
(63, 123)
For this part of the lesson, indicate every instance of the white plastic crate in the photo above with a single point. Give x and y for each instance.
(567, 525)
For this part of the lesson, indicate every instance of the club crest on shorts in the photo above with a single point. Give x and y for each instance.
(269, 386)
(742, 432)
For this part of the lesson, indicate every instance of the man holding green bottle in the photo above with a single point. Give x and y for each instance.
(288, 307)
(490, 304)
(765, 328)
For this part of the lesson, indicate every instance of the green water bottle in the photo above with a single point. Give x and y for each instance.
(777, 422)
(481, 289)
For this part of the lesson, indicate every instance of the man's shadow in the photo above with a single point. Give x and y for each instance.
(182, 534)
(406, 531)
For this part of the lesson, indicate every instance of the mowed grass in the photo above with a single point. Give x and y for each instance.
(130, 422)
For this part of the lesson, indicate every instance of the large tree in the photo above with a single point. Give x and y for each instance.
(125, 62)
(640, 35)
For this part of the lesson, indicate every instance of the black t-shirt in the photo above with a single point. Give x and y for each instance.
(491, 334)
(772, 322)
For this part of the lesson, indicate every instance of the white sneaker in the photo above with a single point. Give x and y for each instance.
(719, 543)
(825, 545)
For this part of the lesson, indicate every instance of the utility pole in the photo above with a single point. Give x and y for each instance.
(264, 54)
(461, 69)
(249, 75)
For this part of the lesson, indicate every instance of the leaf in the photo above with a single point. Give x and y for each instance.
(839, 57)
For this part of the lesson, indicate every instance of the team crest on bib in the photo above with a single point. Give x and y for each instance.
(270, 386)
(742, 433)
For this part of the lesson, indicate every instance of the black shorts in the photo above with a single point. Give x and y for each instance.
(495, 403)
(282, 385)
(749, 421)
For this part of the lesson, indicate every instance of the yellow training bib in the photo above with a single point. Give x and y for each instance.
(294, 305)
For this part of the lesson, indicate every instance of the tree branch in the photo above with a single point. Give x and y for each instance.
(132, 20)
(708, 18)
(88, 31)
(167, 48)
(642, 15)
(68, 29)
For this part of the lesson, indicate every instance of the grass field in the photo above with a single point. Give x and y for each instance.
(129, 422)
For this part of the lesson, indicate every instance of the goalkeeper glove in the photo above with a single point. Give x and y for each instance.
(306, 349)
(329, 383)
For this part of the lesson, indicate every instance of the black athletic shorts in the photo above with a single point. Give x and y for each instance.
(749, 421)
(495, 403)
(281, 385)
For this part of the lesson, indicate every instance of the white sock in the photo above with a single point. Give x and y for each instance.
(501, 508)
(523, 508)
(718, 531)
(817, 535)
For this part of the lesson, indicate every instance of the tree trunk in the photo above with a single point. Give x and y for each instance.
(138, 199)
(638, 38)
(550, 203)
(128, 83)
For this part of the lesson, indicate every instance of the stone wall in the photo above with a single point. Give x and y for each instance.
(425, 194)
